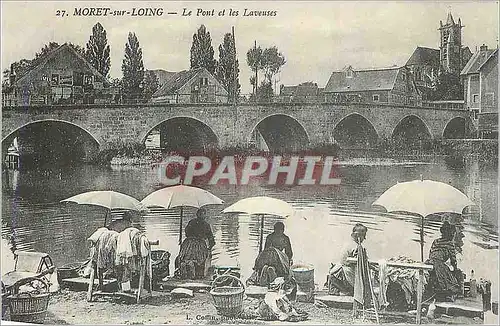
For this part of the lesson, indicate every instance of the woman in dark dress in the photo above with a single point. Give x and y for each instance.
(196, 248)
(444, 281)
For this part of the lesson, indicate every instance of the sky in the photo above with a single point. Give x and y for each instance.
(316, 37)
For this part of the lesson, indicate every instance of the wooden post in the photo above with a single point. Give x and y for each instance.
(150, 272)
(141, 281)
(419, 295)
(91, 284)
(422, 240)
(261, 240)
(180, 228)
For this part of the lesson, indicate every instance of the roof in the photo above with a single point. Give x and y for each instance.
(40, 63)
(300, 90)
(363, 80)
(477, 61)
(177, 81)
(449, 19)
(424, 56)
(163, 75)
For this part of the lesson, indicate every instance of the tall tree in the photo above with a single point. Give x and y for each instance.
(202, 52)
(150, 84)
(254, 61)
(272, 61)
(98, 50)
(133, 69)
(228, 67)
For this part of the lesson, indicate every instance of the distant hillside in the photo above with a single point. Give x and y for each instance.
(162, 75)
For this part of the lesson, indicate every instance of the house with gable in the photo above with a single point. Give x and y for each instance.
(480, 78)
(394, 85)
(62, 76)
(191, 86)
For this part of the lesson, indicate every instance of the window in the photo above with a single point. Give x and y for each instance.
(54, 80)
(88, 79)
(77, 78)
(475, 98)
(376, 98)
(204, 81)
(349, 73)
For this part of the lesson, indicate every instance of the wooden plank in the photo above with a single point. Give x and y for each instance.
(85, 281)
(395, 264)
(420, 287)
(196, 286)
(336, 301)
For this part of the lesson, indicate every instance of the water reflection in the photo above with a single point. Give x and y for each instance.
(31, 212)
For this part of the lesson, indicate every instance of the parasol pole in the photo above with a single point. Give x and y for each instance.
(261, 241)
(106, 217)
(422, 240)
(180, 227)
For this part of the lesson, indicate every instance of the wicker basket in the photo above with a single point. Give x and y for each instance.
(28, 307)
(228, 300)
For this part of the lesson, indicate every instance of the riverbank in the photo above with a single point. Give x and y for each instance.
(67, 307)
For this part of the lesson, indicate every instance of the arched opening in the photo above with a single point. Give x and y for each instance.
(355, 132)
(181, 134)
(279, 133)
(411, 131)
(50, 142)
(457, 128)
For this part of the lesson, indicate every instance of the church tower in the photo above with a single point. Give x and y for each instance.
(450, 49)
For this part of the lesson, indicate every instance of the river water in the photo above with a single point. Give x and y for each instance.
(31, 212)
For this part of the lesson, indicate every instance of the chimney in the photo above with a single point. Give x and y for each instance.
(483, 48)
(12, 76)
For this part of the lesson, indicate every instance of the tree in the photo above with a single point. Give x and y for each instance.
(272, 61)
(448, 87)
(202, 52)
(133, 69)
(47, 48)
(98, 50)
(254, 61)
(265, 92)
(150, 85)
(269, 61)
(228, 67)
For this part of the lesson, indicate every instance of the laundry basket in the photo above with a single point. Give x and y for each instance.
(29, 307)
(228, 300)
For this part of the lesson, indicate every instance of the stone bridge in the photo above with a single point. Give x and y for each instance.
(279, 124)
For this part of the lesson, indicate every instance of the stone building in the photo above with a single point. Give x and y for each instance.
(191, 86)
(427, 63)
(62, 76)
(480, 77)
(308, 92)
(394, 85)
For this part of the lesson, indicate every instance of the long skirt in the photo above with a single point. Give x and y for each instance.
(443, 280)
(192, 258)
(339, 281)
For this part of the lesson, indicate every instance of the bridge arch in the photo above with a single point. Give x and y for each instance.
(411, 129)
(52, 140)
(181, 133)
(355, 130)
(458, 128)
(279, 132)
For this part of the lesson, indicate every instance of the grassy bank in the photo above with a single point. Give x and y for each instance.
(120, 153)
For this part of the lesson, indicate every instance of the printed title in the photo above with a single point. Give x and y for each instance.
(159, 12)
